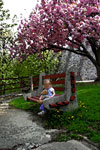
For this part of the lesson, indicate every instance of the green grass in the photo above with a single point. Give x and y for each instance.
(83, 121)
(20, 103)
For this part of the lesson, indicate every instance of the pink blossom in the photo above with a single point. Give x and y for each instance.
(53, 22)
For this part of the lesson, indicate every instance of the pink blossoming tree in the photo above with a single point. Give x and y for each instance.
(71, 25)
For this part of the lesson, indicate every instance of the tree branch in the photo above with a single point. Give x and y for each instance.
(67, 49)
(79, 52)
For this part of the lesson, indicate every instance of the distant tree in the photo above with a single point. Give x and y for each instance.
(6, 38)
(32, 65)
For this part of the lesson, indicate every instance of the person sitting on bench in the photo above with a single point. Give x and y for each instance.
(48, 92)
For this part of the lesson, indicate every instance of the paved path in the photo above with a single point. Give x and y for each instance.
(21, 127)
(18, 127)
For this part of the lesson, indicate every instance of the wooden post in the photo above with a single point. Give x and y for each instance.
(74, 102)
(4, 89)
(41, 81)
(29, 94)
(32, 86)
(21, 83)
(67, 86)
(70, 92)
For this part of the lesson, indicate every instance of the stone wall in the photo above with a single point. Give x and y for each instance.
(83, 67)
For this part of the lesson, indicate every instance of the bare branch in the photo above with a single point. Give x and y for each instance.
(79, 52)
(70, 50)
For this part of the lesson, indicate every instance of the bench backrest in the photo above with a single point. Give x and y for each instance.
(57, 80)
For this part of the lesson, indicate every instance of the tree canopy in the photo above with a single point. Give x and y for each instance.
(71, 25)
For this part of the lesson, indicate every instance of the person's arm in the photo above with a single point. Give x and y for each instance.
(53, 92)
(40, 97)
(40, 101)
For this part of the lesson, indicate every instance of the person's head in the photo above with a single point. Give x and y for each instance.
(47, 83)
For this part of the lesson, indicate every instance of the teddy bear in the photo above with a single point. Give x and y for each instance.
(44, 94)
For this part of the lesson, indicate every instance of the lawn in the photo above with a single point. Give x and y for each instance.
(83, 121)
(20, 103)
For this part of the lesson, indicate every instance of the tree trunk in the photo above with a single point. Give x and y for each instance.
(64, 62)
(98, 74)
(98, 65)
(79, 71)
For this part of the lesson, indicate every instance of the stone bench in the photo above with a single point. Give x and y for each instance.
(63, 83)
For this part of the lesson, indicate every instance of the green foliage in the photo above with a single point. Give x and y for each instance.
(34, 65)
(6, 65)
(51, 61)
(22, 104)
(6, 37)
(83, 121)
